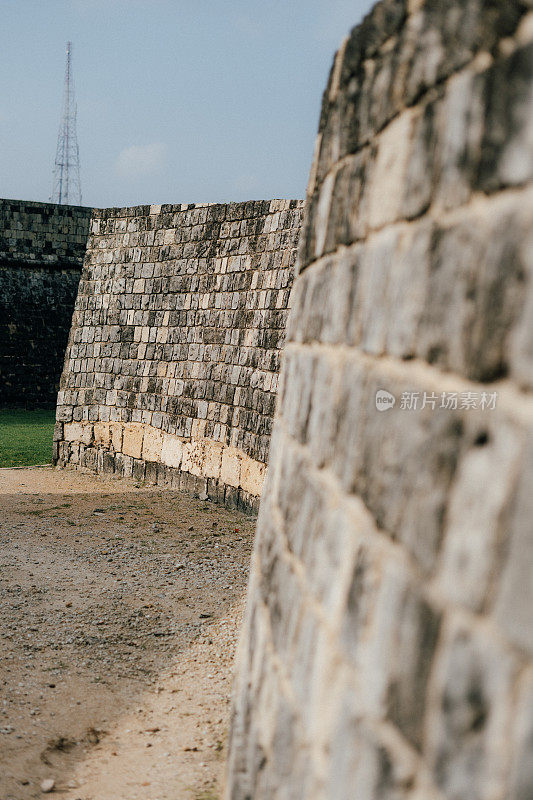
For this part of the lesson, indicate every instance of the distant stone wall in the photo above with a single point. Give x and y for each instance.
(171, 369)
(41, 254)
(388, 643)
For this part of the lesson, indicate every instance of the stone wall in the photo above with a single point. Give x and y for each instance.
(171, 369)
(41, 254)
(387, 650)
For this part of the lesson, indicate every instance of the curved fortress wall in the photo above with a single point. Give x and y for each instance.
(171, 369)
(42, 246)
(388, 642)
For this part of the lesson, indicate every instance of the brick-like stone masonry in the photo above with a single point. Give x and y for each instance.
(387, 650)
(171, 368)
(41, 255)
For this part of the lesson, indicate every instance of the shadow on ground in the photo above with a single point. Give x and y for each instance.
(120, 607)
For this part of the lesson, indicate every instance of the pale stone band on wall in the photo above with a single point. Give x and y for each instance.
(135, 449)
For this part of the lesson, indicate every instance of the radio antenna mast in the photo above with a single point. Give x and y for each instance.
(67, 183)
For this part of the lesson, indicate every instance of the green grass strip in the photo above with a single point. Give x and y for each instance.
(26, 437)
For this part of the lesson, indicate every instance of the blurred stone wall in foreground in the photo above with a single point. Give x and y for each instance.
(388, 641)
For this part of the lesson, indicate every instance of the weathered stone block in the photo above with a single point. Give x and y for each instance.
(102, 434)
(152, 444)
(193, 457)
(403, 310)
(58, 432)
(389, 173)
(252, 476)
(472, 690)
(514, 602)
(507, 146)
(150, 472)
(132, 441)
(116, 437)
(230, 470)
(522, 742)
(212, 458)
(415, 640)
(362, 764)
(477, 273)
(171, 450)
(521, 338)
(458, 149)
(78, 432)
(477, 513)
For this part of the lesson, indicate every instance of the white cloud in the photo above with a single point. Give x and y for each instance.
(139, 160)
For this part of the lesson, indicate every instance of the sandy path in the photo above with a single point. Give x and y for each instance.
(120, 607)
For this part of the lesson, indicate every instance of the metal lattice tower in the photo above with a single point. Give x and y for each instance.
(67, 183)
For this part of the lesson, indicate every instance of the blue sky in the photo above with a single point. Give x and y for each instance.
(213, 100)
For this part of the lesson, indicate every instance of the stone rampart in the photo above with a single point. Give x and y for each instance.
(387, 650)
(41, 254)
(171, 368)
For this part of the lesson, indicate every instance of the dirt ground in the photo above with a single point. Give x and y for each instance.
(120, 609)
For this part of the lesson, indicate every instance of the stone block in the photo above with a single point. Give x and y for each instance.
(321, 217)
(359, 601)
(347, 221)
(58, 432)
(171, 450)
(212, 458)
(138, 470)
(116, 437)
(521, 784)
(370, 314)
(78, 432)
(363, 764)
(415, 640)
(152, 444)
(132, 440)
(331, 544)
(232, 497)
(89, 458)
(507, 146)
(471, 693)
(102, 434)
(476, 515)
(230, 470)
(252, 476)
(64, 413)
(193, 457)
(422, 163)
(521, 338)
(108, 462)
(514, 602)
(389, 173)
(150, 472)
(460, 129)
(403, 310)
(475, 289)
